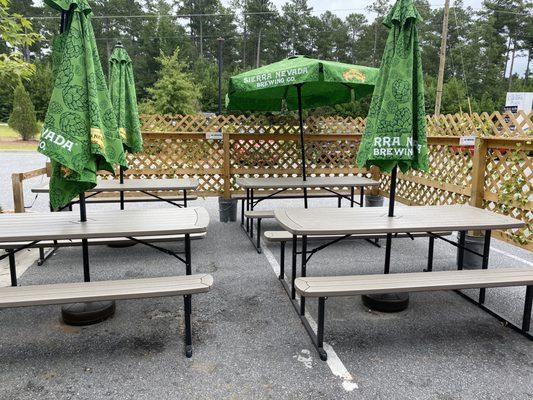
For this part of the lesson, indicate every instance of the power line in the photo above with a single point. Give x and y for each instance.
(198, 15)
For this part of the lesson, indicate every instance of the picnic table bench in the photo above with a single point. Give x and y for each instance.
(261, 189)
(30, 229)
(354, 285)
(64, 293)
(148, 187)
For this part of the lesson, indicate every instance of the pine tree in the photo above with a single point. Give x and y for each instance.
(22, 117)
(175, 91)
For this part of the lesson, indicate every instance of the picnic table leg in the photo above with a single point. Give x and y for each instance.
(86, 268)
(526, 320)
(258, 239)
(430, 254)
(339, 198)
(247, 208)
(282, 261)
(185, 198)
(304, 271)
(388, 253)
(461, 254)
(188, 333)
(242, 212)
(361, 196)
(293, 277)
(320, 329)
(12, 268)
(485, 264)
(188, 266)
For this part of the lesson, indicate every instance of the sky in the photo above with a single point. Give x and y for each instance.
(344, 7)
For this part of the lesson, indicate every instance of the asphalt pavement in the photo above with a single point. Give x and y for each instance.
(248, 341)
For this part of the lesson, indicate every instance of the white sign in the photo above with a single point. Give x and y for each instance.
(467, 140)
(213, 135)
(519, 101)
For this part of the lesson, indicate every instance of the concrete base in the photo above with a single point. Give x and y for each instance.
(79, 314)
(373, 201)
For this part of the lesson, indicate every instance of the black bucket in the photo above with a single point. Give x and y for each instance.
(227, 208)
(373, 201)
(474, 243)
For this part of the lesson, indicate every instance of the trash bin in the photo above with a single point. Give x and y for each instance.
(227, 209)
(373, 201)
(470, 260)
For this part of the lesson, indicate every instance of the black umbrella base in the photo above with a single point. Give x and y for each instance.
(121, 245)
(79, 314)
(386, 302)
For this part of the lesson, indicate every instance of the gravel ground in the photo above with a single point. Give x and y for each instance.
(248, 341)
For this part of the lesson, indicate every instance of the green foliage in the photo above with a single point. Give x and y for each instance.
(40, 88)
(17, 32)
(175, 91)
(22, 117)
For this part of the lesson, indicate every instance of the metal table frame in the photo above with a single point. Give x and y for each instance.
(250, 201)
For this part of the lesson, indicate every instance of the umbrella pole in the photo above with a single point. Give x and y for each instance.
(302, 143)
(121, 179)
(392, 195)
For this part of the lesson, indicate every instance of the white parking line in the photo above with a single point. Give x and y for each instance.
(334, 362)
(512, 256)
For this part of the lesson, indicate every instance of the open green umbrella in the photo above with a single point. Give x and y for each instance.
(80, 133)
(124, 100)
(299, 82)
(395, 133)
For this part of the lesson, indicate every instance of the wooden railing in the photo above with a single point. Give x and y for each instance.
(495, 174)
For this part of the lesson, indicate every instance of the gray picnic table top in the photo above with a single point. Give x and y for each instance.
(351, 221)
(299, 183)
(134, 185)
(103, 224)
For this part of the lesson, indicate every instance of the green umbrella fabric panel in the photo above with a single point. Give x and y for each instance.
(395, 132)
(322, 83)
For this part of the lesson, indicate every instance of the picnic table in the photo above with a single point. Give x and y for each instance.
(261, 189)
(145, 186)
(136, 225)
(345, 222)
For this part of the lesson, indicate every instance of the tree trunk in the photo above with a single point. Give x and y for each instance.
(528, 65)
(258, 53)
(201, 37)
(512, 67)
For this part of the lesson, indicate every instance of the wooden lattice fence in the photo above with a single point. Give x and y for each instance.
(495, 174)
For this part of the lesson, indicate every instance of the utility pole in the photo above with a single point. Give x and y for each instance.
(442, 57)
(220, 41)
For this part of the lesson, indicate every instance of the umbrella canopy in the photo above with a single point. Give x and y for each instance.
(299, 82)
(124, 99)
(395, 133)
(80, 133)
(323, 83)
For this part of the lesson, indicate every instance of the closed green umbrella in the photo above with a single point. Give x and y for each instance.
(124, 100)
(395, 133)
(299, 82)
(80, 133)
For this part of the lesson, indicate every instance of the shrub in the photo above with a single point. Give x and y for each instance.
(22, 118)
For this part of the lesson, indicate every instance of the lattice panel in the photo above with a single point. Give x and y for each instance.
(180, 157)
(488, 125)
(508, 188)
(446, 182)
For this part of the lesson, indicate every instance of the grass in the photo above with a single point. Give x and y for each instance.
(10, 141)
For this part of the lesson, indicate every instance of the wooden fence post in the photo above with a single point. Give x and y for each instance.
(226, 165)
(18, 192)
(376, 176)
(477, 190)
